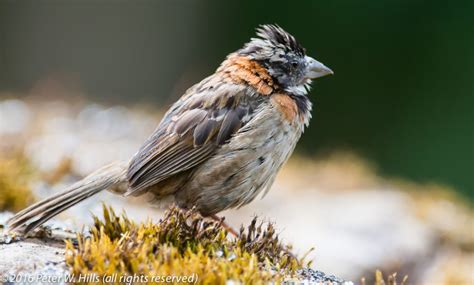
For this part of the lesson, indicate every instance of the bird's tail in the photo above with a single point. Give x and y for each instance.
(113, 175)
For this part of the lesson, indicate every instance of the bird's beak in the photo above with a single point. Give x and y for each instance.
(315, 69)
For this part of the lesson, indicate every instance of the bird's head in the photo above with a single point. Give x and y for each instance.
(284, 58)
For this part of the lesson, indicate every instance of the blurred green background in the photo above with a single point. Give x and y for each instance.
(402, 94)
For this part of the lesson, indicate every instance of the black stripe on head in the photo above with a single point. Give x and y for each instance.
(277, 36)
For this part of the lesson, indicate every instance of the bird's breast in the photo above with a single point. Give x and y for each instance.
(247, 164)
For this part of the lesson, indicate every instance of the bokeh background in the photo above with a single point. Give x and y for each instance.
(397, 114)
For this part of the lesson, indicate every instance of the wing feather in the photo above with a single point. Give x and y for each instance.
(230, 124)
(205, 131)
(189, 134)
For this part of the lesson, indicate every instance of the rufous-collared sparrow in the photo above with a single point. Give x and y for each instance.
(221, 144)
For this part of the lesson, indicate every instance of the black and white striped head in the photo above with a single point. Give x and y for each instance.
(284, 58)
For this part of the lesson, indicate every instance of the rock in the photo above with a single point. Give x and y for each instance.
(28, 256)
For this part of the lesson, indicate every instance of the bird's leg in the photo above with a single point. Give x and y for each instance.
(230, 229)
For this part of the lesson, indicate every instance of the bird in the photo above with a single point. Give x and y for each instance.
(221, 144)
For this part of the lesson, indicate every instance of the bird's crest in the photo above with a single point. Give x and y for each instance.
(270, 39)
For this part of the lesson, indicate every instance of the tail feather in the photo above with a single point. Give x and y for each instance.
(112, 175)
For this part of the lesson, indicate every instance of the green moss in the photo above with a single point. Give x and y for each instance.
(15, 176)
(182, 243)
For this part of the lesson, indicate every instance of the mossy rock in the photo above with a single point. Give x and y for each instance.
(181, 244)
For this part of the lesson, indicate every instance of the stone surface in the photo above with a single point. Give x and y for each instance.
(26, 257)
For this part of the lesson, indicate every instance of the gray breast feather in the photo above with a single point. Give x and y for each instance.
(245, 166)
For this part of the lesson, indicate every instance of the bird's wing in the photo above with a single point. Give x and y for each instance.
(195, 126)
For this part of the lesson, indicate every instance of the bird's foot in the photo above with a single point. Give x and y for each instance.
(226, 226)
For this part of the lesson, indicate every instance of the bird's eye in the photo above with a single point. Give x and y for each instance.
(294, 64)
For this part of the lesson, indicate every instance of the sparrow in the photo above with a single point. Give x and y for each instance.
(221, 144)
